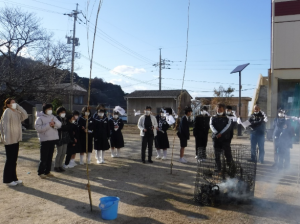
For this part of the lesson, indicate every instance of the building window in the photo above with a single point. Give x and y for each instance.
(78, 100)
(289, 96)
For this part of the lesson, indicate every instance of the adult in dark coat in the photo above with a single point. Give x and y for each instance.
(184, 132)
(200, 132)
(101, 135)
(116, 137)
(258, 125)
(161, 139)
(283, 140)
(220, 126)
(85, 115)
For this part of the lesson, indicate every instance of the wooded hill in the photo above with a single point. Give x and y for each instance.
(101, 92)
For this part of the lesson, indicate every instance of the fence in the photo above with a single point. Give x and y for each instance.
(234, 182)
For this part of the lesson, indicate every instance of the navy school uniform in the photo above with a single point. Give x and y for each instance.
(116, 136)
(101, 133)
(161, 139)
(73, 147)
(82, 138)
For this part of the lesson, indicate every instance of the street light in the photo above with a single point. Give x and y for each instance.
(239, 69)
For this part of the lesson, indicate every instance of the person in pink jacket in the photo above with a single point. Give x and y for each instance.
(11, 135)
(46, 126)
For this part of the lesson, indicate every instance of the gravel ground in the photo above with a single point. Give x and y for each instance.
(148, 192)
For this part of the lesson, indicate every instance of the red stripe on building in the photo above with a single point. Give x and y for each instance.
(287, 8)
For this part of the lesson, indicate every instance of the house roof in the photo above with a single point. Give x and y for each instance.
(31, 102)
(155, 94)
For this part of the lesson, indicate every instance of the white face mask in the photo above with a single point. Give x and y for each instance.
(220, 113)
(280, 114)
(162, 115)
(256, 112)
(147, 112)
(203, 112)
(76, 117)
(101, 114)
(228, 112)
(49, 112)
(73, 121)
(116, 116)
(63, 115)
(14, 106)
(86, 113)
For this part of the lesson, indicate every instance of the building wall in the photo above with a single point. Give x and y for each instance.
(141, 103)
(244, 111)
(285, 49)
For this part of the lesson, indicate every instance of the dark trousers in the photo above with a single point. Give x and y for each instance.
(275, 153)
(68, 158)
(219, 145)
(258, 139)
(201, 143)
(10, 168)
(284, 158)
(46, 155)
(147, 140)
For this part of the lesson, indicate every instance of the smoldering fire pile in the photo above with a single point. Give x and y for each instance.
(234, 183)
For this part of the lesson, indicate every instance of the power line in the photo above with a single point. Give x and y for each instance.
(51, 5)
(32, 7)
(120, 44)
(126, 52)
(210, 82)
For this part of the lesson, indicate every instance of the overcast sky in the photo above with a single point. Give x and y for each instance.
(222, 35)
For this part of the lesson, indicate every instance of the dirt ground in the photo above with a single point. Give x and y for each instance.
(148, 192)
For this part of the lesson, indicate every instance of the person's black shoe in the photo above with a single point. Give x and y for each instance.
(150, 161)
(56, 169)
(143, 161)
(61, 169)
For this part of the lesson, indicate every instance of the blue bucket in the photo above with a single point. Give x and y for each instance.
(109, 207)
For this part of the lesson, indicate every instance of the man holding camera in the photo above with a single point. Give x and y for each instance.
(148, 130)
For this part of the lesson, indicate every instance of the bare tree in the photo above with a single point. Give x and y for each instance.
(222, 95)
(30, 63)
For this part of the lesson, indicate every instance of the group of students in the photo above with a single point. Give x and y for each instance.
(67, 132)
(74, 134)
(155, 129)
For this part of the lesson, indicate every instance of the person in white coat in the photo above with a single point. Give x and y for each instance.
(46, 126)
(148, 130)
(11, 135)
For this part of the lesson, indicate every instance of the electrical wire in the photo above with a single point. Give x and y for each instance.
(31, 7)
(210, 82)
(105, 35)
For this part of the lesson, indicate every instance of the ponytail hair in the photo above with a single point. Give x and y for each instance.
(7, 101)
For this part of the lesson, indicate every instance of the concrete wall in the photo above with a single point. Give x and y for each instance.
(286, 43)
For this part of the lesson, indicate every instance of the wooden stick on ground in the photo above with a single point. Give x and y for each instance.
(179, 106)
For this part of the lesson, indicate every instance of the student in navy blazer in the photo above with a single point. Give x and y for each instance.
(184, 132)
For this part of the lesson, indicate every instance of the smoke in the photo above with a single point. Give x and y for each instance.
(235, 188)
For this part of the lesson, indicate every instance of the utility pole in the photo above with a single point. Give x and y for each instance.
(75, 42)
(162, 64)
(159, 69)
